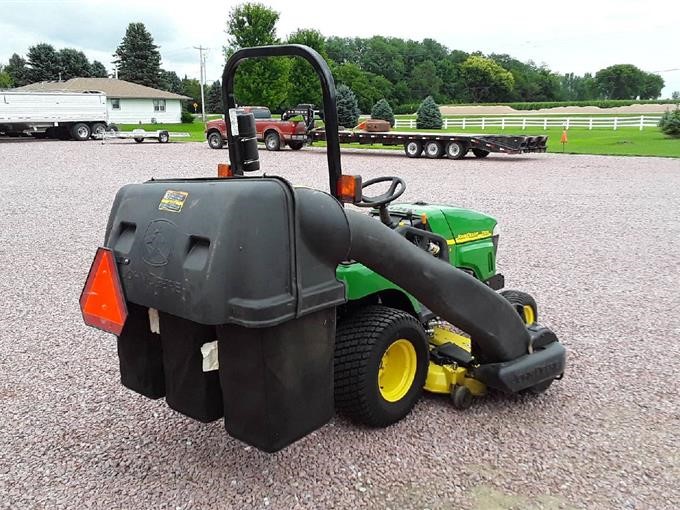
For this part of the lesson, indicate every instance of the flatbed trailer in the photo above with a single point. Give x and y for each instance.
(139, 135)
(437, 145)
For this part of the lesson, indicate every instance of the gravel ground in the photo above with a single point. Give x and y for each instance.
(595, 239)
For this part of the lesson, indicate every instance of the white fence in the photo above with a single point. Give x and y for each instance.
(615, 123)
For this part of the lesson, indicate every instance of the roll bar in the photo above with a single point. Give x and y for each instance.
(327, 87)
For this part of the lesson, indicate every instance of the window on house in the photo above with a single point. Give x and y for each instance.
(159, 105)
(115, 104)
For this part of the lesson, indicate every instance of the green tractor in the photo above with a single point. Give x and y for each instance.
(269, 305)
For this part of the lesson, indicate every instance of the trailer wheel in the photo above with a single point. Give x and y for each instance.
(80, 131)
(434, 149)
(98, 130)
(163, 137)
(381, 360)
(215, 140)
(480, 153)
(413, 149)
(295, 145)
(455, 150)
(139, 139)
(272, 141)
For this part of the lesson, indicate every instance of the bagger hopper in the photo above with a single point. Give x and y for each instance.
(271, 306)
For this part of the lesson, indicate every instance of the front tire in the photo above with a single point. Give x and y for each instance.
(272, 141)
(381, 361)
(215, 140)
(524, 303)
(413, 149)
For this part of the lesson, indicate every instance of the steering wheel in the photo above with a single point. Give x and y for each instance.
(396, 189)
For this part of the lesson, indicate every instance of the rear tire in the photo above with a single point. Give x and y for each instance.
(413, 149)
(434, 149)
(98, 130)
(80, 131)
(455, 150)
(381, 361)
(272, 141)
(215, 140)
(480, 153)
(295, 145)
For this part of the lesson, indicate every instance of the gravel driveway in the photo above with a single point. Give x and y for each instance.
(595, 239)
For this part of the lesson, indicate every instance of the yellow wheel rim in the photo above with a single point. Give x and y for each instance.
(397, 370)
(529, 315)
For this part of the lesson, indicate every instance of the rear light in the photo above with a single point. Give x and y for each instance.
(102, 302)
(349, 188)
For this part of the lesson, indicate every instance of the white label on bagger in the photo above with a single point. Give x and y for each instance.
(233, 121)
(154, 322)
(210, 359)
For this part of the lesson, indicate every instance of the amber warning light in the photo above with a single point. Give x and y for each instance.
(102, 302)
(349, 188)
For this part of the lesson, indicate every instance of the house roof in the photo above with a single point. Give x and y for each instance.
(110, 86)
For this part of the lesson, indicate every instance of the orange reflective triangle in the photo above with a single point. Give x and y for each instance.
(102, 302)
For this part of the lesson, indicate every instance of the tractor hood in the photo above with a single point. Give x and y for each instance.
(464, 224)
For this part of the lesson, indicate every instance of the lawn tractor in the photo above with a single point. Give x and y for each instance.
(269, 305)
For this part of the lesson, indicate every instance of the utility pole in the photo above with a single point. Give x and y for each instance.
(202, 80)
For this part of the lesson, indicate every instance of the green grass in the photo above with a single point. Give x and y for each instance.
(195, 130)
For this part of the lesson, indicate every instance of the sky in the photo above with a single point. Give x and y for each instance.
(568, 36)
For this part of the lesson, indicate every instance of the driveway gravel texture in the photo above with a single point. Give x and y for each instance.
(595, 239)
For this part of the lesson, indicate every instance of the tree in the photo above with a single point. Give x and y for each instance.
(16, 68)
(621, 81)
(138, 58)
(670, 123)
(73, 64)
(192, 88)
(651, 87)
(485, 80)
(382, 110)
(213, 99)
(97, 70)
(304, 83)
(348, 109)
(43, 63)
(424, 80)
(5, 79)
(171, 82)
(428, 115)
(257, 82)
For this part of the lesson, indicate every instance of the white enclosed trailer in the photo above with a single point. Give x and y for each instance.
(64, 115)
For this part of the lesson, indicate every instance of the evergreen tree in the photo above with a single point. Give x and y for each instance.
(138, 58)
(428, 115)
(97, 70)
(348, 109)
(383, 110)
(5, 79)
(43, 63)
(192, 88)
(16, 68)
(670, 123)
(213, 99)
(171, 82)
(73, 64)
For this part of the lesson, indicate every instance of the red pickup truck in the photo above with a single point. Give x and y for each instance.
(275, 133)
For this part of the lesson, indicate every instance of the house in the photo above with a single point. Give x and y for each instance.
(127, 103)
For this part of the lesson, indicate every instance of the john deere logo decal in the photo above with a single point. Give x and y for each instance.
(157, 238)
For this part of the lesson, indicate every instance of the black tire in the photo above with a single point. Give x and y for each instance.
(480, 153)
(434, 149)
(215, 140)
(163, 137)
(461, 397)
(139, 139)
(296, 145)
(113, 127)
(98, 129)
(63, 133)
(455, 150)
(413, 149)
(52, 132)
(362, 340)
(39, 135)
(519, 300)
(272, 141)
(80, 131)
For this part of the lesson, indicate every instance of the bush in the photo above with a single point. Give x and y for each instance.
(670, 123)
(382, 110)
(187, 118)
(348, 107)
(428, 115)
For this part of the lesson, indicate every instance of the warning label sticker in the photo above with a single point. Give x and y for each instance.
(173, 201)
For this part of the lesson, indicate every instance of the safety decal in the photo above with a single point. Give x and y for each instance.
(173, 201)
